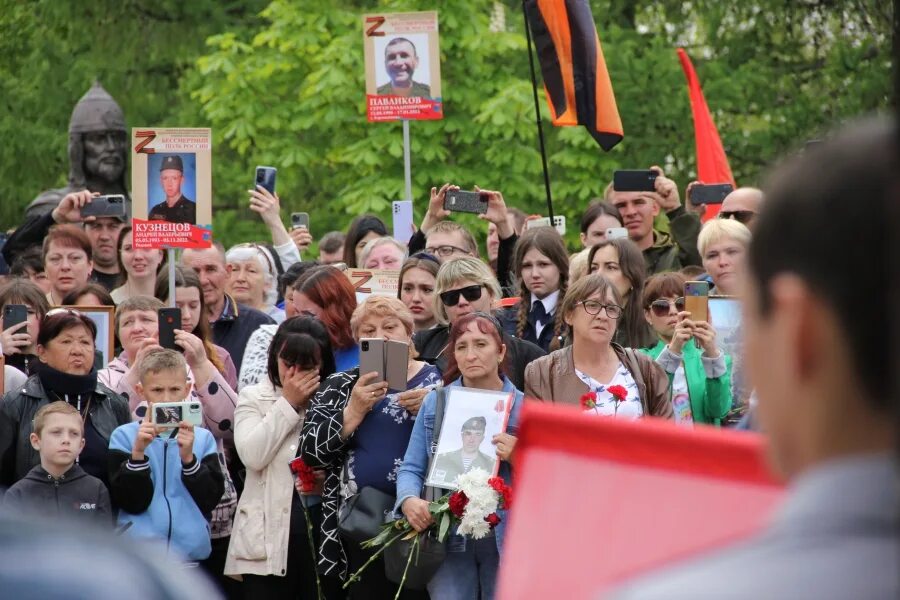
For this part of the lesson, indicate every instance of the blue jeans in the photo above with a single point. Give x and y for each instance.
(469, 572)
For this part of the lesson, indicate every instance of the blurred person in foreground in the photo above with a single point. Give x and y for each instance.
(815, 353)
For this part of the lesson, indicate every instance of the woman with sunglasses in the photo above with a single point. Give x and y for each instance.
(595, 372)
(699, 372)
(478, 359)
(463, 286)
(622, 263)
(416, 288)
(139, 268)
(65, 371)
(542, 269)
(723, 245)
(253, 278)
(358, 431)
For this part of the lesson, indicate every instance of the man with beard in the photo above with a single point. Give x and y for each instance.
(400, 62)
(98, 144)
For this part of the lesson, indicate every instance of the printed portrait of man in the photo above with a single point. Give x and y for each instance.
(175, 207)
(449, 465)
(401, 61)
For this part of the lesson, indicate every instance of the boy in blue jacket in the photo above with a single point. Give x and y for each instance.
(165, 482)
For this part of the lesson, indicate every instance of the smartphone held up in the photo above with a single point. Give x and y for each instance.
(696, 300)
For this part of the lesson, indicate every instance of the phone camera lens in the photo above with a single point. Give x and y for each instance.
(365, 345)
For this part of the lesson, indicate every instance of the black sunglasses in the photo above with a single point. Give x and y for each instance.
(741, 216)
(471, 293)
(662, 306)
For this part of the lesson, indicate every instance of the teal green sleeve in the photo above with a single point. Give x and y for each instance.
(718, 395)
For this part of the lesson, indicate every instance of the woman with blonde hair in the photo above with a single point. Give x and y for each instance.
(723, 245)
(463, 286)
(357, 430)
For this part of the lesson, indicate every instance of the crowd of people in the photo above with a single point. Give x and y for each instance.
(268, 348)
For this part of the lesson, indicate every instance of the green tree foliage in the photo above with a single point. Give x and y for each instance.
(287, 90)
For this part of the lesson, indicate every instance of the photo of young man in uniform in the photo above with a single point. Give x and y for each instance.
(175, 206)
(401, 61)
(449, 465)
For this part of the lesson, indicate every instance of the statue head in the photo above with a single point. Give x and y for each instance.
(98, 140)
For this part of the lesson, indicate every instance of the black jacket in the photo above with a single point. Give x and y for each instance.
(432, 343)
(75, 495)
(107, 411)
(509, 318)
(233, 328)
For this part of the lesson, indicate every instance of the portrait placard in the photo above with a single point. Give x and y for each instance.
(725, 315)
(367, 282)
(171, 182)
(403, 66)
(471, 419)
(104, 318)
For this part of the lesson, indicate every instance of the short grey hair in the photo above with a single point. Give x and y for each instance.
(464, 268)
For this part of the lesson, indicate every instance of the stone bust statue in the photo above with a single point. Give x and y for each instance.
(98, 151)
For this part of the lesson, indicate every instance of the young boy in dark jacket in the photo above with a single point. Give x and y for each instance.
(58, 486)
(165, 480)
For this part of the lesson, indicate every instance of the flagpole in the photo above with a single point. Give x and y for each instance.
(537, 113)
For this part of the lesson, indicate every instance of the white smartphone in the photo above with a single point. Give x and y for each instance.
(169, 415)
(559, 221)
(402, 212)
(533, 223)
(615, 233)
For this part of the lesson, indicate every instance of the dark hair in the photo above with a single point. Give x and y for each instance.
(24, 291)
(359, 228)
(329, 289)
(68, 236)
(597, 209)
(400, 40)
(186, 277)
(29, 259)
(123, 274)
(663, 285)
(54, 325)
(303, 342)
(845, 184)
(548, 242)
(89, 288)
(294, 272)
(632, 330)
(486, 324)
(331, 242)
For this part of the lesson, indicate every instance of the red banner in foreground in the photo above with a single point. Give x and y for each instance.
(599, 500)
(153, 235)
(392, 108)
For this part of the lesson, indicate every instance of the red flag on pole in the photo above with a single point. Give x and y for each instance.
(712, 164)
(579, 91)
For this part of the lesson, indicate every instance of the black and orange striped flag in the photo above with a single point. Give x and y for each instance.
(577, 84)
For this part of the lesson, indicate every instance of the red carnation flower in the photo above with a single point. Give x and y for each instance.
(589, 400)
(457, 503)
(501, 488)
(304, 473)
(493, 520)
(618, 392)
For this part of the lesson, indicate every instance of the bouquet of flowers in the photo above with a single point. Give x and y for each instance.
(473, 508)
(306, 482)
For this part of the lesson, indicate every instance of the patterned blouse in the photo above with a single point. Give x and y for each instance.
(630, 408)
(371, 456)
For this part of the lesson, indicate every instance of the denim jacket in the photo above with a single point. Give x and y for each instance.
(411, 476)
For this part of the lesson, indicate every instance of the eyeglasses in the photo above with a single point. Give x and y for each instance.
(445, 251)
(662, 306)
(741, 216)
(471, 293)
(592, 307)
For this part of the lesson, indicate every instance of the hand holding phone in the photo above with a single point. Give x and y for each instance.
(265, 177)
(169, 321)
(696, 300)
(169, 415)
(14, 336)
(465, 201)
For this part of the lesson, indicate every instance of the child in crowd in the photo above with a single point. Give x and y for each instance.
(165, 480)
(58, 486)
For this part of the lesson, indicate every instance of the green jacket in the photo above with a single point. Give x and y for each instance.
(677, 249)
(710, 398)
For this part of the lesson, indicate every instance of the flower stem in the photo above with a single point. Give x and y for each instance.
(355, 577)
(312, 548)
(412, 552)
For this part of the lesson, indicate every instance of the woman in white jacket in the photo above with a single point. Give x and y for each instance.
(269, 547)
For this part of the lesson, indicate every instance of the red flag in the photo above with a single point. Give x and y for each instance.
(577, 84)
(712, 164)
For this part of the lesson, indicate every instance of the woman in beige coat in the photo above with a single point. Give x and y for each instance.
(270, 548)
(593, 372)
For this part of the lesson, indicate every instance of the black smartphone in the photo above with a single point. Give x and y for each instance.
(112, 205)
(300, 219)
(14, 314)
(713, 193)
(635, 181)
(463, 201)
(265, 176)
(169, 321)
